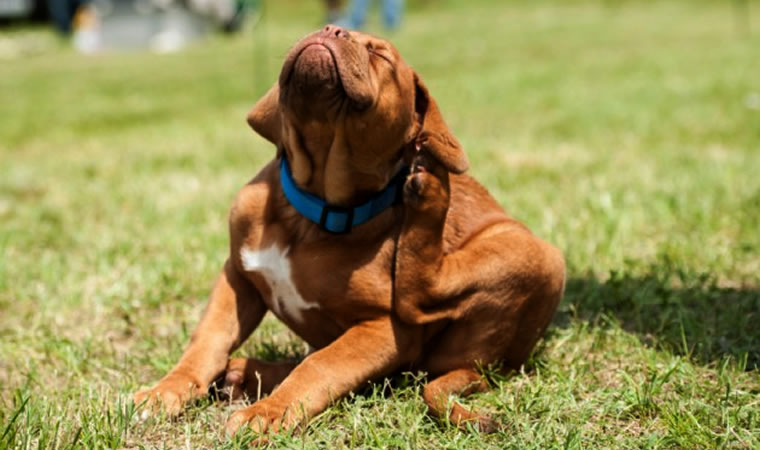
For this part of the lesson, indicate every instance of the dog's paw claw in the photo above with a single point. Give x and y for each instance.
(259, 417)
(236, 420)
(169, 396)
(426, 186)
(144, 415)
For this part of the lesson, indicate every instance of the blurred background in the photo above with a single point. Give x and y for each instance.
(625, 132)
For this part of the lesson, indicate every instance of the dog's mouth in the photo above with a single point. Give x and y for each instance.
(321, 67)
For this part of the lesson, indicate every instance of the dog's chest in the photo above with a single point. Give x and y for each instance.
(274, 266)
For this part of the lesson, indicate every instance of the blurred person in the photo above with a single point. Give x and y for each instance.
(62, 13)
(78, 19)
(87, 38)
(333, 10)
(229, 14)
(391, 13)
(176, 28)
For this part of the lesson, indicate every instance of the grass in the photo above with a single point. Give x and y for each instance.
(627, 133)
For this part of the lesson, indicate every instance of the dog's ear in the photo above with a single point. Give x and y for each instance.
(265, 118)
(434, 134)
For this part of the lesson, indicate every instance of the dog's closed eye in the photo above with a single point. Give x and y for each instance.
(378, 51)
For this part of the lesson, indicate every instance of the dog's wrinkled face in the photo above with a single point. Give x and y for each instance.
(346, 111)
(336, 66)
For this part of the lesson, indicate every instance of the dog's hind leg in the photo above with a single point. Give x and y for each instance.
(459, 382)
(419, 253)
(254, 377)
(500, 272)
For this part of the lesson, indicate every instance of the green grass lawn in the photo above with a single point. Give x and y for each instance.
(626, 133)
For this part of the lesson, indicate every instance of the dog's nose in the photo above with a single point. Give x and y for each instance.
(335, 31)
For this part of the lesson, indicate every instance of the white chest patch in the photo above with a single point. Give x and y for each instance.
(274, 265)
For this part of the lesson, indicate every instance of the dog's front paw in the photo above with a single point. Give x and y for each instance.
(427, 186)
(169, 396)
(261, 417)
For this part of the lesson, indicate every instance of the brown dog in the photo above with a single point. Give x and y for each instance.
(440, 281)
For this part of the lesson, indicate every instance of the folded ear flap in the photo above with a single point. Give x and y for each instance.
(434, 135)
(264, 117)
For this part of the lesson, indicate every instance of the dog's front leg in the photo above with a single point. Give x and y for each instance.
(364, 352)
(234, 310)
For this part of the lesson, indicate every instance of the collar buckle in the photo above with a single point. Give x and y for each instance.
(348, 213)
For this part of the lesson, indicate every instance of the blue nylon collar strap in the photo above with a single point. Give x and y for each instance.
(337, 219)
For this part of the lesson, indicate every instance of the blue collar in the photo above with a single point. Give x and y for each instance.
(337, 219)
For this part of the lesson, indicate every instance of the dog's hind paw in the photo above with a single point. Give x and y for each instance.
(427, 186)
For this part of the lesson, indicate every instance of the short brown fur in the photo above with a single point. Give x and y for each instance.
(441, 283)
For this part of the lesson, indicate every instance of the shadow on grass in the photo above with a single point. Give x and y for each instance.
(684, 313)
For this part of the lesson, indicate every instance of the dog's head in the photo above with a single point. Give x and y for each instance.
(346, 111)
